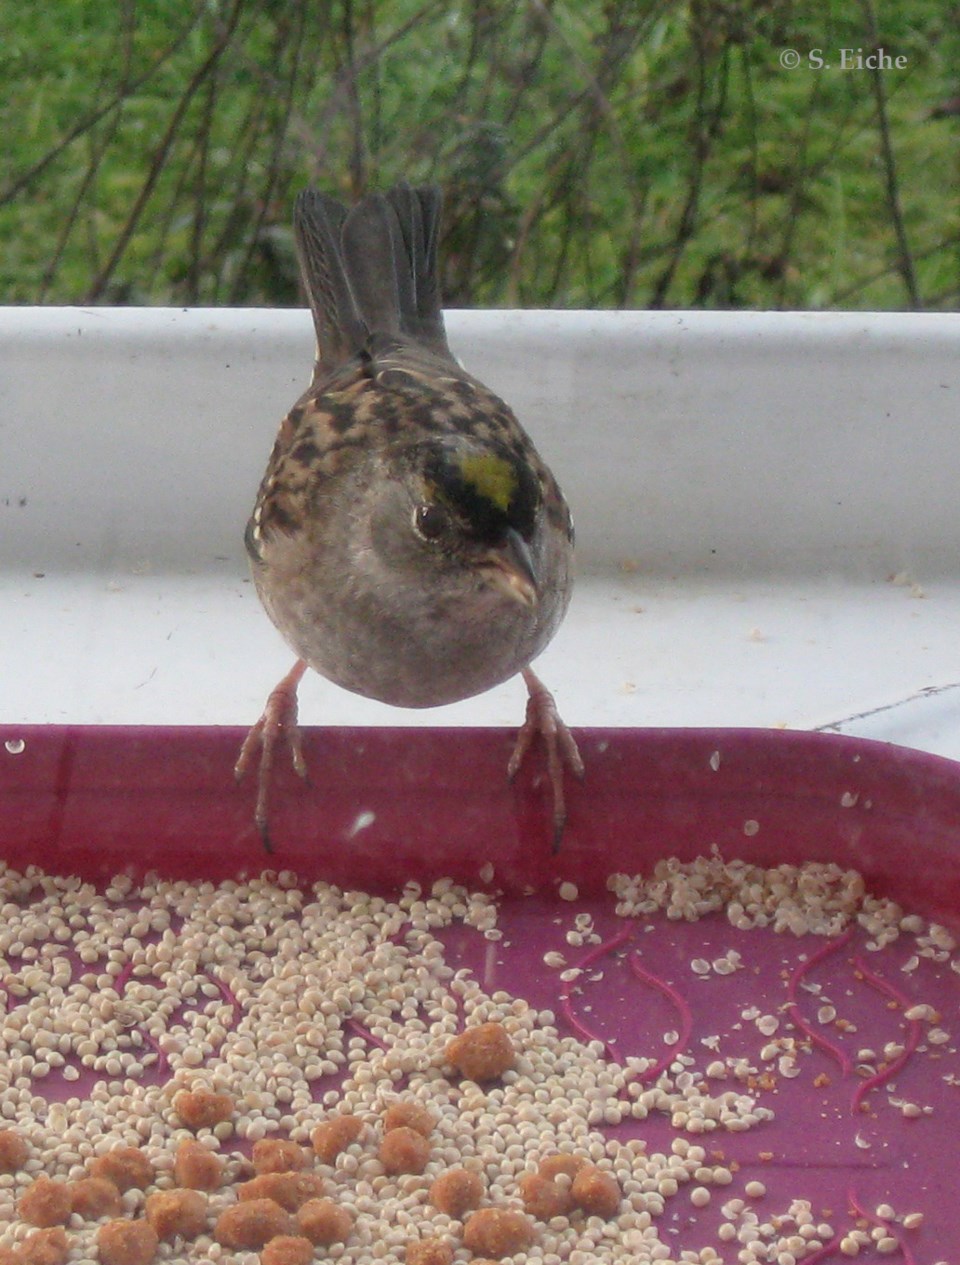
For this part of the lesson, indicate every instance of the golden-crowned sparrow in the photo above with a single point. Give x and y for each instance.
(407, 540)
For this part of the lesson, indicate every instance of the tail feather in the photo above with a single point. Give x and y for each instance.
(371, 270)
(418, 213)
(317, 224)
(379, 273)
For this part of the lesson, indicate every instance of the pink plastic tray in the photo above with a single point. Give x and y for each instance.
(386, 806)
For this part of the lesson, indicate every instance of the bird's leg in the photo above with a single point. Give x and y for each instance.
(544, 719)
(279, 717)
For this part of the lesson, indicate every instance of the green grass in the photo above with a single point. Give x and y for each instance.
(593, 152)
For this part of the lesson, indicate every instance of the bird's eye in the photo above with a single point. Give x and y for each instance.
(430, 521)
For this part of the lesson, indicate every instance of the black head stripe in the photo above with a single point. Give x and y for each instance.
(486, 485)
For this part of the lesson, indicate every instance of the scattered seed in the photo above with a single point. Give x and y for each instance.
(360, 1012)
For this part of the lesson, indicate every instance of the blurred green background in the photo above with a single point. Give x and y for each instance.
(594, 153)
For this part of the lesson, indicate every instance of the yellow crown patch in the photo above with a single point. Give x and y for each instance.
(491, 477)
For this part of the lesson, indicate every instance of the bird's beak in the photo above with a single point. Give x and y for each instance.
(510, 568)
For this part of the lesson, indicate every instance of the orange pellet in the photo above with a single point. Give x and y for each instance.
(497, 1232)
(95, 1197)
(596, 1192)
(554, 1165)
(289, 1190)
(45, 1247)
(177, 1212)
(126, 1166)
(127, 1243)
(202, 1108)
(287, 1249)
(404, 1150)
(249, 1226)
(482, 1053)
(429, 1252)
(456, 1191)
(335, 1135)
(13, 1151)
(277, 1155)
(196, 1167)
(324, 1222)
(543, 1197)
(45, 1203)
(409, 1115)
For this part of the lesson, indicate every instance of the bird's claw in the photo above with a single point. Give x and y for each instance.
(543, 718)
(279, 718)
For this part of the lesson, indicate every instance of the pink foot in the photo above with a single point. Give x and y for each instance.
(544, 719)
(279, 717)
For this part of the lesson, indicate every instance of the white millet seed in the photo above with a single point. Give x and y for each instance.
(261, 989)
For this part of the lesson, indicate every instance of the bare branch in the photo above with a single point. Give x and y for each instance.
(905, 264)
(100, 281)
